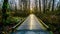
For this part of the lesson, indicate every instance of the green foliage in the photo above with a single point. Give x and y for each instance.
(12, 20)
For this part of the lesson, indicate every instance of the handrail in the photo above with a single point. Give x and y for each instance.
(20, 22)
(43, 23)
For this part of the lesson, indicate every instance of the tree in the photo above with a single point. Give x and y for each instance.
(4, 10)
(28, 6)
(49, 5)
(36, 6)
(43, 6)
(53, 5)
(58, 4)
(40, 5)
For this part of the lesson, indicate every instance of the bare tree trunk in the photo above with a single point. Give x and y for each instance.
(43, 6)
(28, 6)
(46, 5)
(58, 4)
(53, 5)
(40, 5)
(36, 4)
(49, 5)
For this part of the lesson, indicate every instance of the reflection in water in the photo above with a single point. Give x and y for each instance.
(31, 32)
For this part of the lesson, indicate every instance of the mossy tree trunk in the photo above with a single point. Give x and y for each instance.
(4, 9)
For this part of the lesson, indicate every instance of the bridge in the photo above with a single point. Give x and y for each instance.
(32, 25)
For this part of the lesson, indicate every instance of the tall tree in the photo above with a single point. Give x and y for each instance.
(43, 6)
(24, 3)
(58, 5)
(40, 5)
(49, 5)
(36, 6)
(53, 5)
(28, 5)
(4, 9)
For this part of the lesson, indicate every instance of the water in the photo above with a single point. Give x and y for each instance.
(30, 32)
